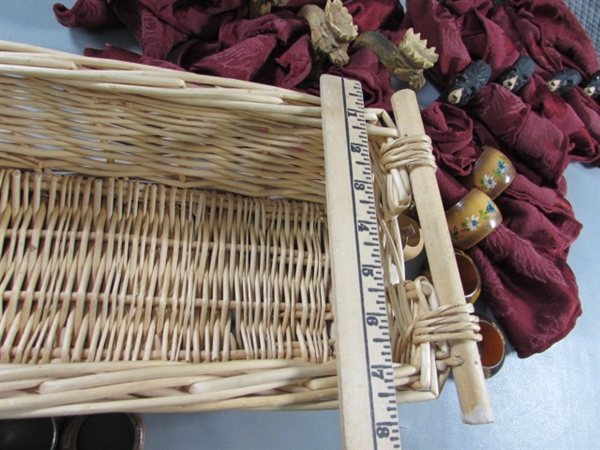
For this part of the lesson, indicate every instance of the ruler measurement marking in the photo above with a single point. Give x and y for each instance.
(386, 394)
(360, 278)
(367, 188)
(366, 257)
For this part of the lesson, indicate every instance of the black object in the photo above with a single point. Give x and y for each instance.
(591, 86)
(114, 431)
(563, 81)
(515, 77)
(467, 84)
(29, 434)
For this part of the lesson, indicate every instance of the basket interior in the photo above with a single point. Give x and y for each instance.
(114, 270)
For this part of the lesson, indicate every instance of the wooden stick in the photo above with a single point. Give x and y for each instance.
(470, 383)
(198, 402)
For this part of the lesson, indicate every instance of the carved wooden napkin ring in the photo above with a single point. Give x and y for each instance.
(591, 86)
(563, 81)
(467, 84)
(331, 31)
(492, 346)
(515, 77)
(406, 61)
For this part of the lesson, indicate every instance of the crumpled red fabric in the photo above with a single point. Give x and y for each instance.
(451, 132)
(454, 134)
(588, 111)
(548, 29)
(565, 114)
(217, 38)
(533, 140)
(92, 14)
(526, 281)
(544, 319)
(251, 50)
(551, 35)
(484, 39)
(536, 141)
(436, 24)
(158, 25)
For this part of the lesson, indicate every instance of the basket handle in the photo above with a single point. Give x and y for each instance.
(470, 382)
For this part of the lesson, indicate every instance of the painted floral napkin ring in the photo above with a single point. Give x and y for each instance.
(472, 219)
(492, 172)
(492, 347)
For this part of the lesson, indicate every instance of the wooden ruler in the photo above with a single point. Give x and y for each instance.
(368, 408)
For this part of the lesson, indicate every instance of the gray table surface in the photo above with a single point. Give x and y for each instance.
(547, 401)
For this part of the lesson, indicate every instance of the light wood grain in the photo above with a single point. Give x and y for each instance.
(470, 383)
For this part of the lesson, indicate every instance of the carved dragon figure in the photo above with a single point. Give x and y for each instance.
(262, 7)
(406, 61)
(331, 31)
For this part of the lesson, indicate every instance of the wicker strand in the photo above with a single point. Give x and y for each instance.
(408, 151)
(394, 159)
(447, 323)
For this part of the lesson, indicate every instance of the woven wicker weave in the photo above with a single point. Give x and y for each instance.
(159, 125)
(163, 245)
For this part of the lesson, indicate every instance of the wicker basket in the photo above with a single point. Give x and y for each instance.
(163, 245)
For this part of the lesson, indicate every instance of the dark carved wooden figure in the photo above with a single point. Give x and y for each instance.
(467, 84)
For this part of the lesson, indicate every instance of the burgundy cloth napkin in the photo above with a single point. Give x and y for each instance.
(531, 139)
(217, 38)
(529, 287)
(527, 283)
(548, 32)
(588, 111)
(540, 214)
(485, 39)
(526, 135)
(571, 115)
(436, 24)
(158, 25)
